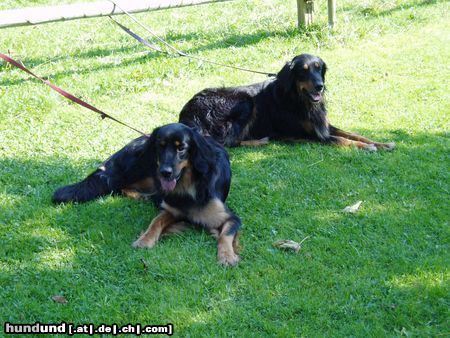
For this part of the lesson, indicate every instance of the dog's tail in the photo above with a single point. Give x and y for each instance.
(93, 186)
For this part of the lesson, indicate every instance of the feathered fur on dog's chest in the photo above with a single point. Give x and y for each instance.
(184, 204)
(210, 216)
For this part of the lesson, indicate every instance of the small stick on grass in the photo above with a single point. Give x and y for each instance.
(145, 264)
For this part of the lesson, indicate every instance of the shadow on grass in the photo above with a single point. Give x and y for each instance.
(28, 186)
(240, 40)
(236, 40)
(87, 70)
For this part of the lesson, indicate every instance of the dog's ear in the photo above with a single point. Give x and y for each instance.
(202, 153)
(151, 142)
(150, 152)
(285, 77)
(324, 70)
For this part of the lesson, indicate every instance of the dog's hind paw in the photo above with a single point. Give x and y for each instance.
(387, 146)
(371, 147)
(143, 243)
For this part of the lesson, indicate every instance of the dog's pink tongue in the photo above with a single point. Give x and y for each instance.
(316, 97)
(168, 185)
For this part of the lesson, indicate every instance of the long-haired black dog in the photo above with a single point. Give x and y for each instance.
(289, 107)
(184, 173)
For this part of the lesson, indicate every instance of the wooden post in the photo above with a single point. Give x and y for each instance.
(331, 13)
(305, 9)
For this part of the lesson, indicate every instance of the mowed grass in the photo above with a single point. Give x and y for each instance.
(380, 272)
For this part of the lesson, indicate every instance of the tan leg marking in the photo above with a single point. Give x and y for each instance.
(146, 185)
(354, 137)
(149, 238)
(141, 190)
(343, 142)
(255, 143)
(217, 219)
(215, 233)
(225, 250)
(134, 194)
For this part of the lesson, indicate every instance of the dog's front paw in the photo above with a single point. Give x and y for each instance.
(143, 243)
(264, 140)
(228, 258)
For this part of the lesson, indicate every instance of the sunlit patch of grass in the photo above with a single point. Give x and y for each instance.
(423, 279)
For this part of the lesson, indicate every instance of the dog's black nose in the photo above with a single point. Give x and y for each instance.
(166, 172)
(319, 87)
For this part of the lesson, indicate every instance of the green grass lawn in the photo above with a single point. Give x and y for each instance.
(380, 272)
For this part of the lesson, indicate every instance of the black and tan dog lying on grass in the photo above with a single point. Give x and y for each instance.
(290, 107)
(184, 173)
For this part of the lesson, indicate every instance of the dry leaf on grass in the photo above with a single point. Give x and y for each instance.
(352, 208)
(289, 244)
(59, 299)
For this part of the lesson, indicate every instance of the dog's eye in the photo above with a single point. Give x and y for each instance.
(181, 148)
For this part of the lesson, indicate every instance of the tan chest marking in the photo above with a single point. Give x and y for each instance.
(212, 215)
(174, 211)
(186, 184)
(307, 126)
